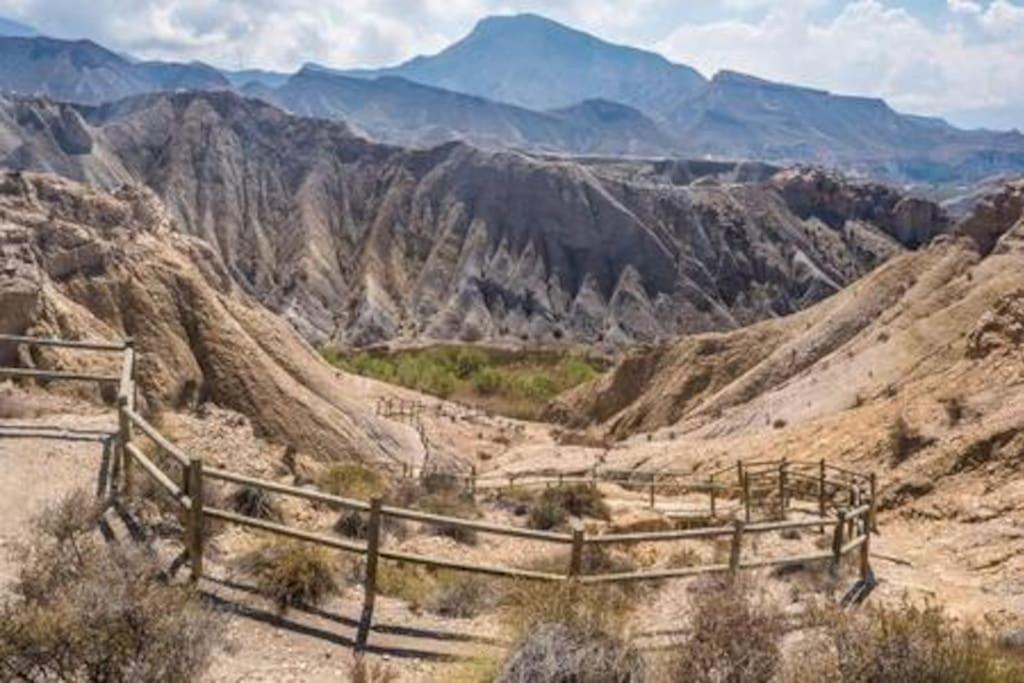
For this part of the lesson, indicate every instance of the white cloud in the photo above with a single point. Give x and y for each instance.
(872, 49)
(969, 57)
(964, 7)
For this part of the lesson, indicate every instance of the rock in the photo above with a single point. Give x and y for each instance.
(1013, 640)
(637, 520)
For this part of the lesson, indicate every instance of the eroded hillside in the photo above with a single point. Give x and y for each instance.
(80, 263)
(357, 243)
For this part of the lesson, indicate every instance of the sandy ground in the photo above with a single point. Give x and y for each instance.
(45, 456)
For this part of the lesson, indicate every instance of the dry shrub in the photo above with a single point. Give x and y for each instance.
(83, 610)
(904, 441)
(352, 480)
(464, 595)
(909, 643)
(371, 671)
(292, 573)
(734, 638)
(569, 633)
(254, 502)
(443, 592)
(447, 501)
(355, 524)
(554, 506)
(409, 582)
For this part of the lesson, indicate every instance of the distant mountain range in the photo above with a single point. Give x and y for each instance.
(526, 82)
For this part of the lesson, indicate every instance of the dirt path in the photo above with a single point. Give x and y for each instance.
(43, 459)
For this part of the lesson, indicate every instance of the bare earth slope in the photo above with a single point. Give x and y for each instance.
(80, 263)
(360, 243)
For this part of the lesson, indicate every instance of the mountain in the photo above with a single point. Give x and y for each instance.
(360, 243)
(741, 116)
(14, 29)
(399, 111)
(524, 82)
(537, 63)
(82, 71)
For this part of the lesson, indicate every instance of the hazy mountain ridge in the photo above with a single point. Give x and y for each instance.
(525, 82)
(361, 242)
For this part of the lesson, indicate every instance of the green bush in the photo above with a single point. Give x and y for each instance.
(487, 382)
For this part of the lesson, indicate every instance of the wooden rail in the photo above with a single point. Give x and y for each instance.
(852, 524)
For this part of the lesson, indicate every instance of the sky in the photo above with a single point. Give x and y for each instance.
(961, 59)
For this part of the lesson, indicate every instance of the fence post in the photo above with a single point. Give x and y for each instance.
(560, 485)
(576, 559)
(746, 497)
(735, 549)
(370, 581)
(865, 551)
(854, 504)
(837, 542)
(654, 479)
(739, 472)
(711, 494)
(782, 489)
(821, 493)
(194, 517)
(124, 437)
(472, 480)
(873, 492)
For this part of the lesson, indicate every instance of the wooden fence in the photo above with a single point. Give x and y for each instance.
(845, 504)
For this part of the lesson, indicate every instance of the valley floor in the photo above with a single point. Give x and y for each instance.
(961, 566)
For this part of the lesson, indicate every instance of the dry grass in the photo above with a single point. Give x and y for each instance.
(352, 480)
(84, 610)
(554, 506)
(566, 633)
(292, 573)
(449, 500)
(905, 643)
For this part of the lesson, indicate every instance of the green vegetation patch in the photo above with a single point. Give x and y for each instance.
(514, 383)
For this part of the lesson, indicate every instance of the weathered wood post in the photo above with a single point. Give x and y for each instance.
(472, 480)
(872, 513)
(746, 497)
(739, 473)
(854, 504)
(576, 558)
(194, 517)
(654, 479)
(124, 437)
(837, 542)
(865, 551)
(511, 482)
(821, 492)
(370, 580)
(711, 495)
(735, 549)
(782, 488)
(560, 476)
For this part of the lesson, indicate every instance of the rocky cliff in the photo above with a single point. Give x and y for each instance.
(361, 243)
(76, 263)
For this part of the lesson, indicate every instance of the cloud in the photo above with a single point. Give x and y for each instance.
(869, 48)
(964, 7)
(967, 57)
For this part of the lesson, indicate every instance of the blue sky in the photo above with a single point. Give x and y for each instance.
(963, 59)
